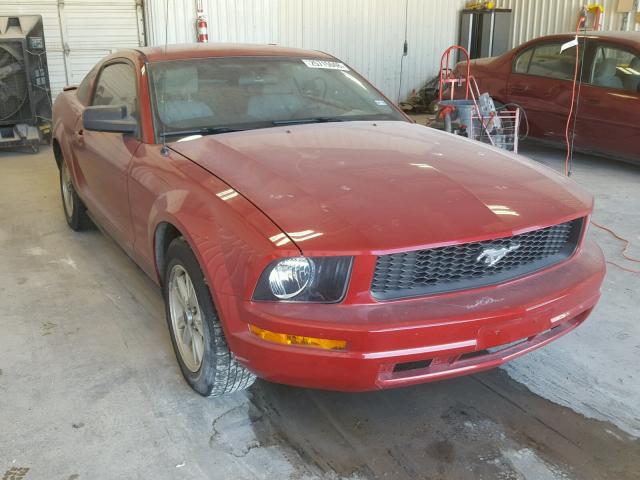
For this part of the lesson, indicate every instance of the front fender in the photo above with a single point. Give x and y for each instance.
(230, 237)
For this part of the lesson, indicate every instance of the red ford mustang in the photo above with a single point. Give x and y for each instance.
(539, 77)
(305, 231)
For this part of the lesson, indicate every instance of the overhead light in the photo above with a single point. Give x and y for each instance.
(503, 210)
(227, 194)
(354, 79)
(421, 165)
(284, 238)
(190, 137)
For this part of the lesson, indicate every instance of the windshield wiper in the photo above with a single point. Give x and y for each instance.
(297, 121)
(200, 131)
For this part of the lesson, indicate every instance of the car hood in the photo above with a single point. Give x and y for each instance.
(363, 187)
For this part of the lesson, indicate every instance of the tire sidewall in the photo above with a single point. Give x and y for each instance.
(68, 217)
(76, 219)
(179, 253)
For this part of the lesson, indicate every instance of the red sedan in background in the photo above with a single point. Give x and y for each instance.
(304, 230)
(539, 77)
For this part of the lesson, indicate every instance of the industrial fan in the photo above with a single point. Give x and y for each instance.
(25, 97)
(13, 82)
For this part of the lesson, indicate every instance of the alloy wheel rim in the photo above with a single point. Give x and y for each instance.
(186, 318)
(67, 189)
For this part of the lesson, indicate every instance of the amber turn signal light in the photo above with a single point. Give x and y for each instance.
(286, 339)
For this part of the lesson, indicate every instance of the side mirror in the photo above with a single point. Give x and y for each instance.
(109, 119)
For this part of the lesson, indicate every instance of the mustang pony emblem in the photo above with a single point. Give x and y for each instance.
(491, 256)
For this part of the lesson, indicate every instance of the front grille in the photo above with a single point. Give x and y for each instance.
(471, 265)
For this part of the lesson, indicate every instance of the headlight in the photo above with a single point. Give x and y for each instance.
(305, 279)
(291, 276)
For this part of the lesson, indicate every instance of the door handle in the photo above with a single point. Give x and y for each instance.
(591, 100)
(518, 89)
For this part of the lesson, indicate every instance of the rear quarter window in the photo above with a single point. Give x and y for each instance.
(521, 65)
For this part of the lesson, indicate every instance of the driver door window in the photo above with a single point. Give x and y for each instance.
(117, 86)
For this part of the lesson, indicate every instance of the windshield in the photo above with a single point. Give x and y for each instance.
(216, 95)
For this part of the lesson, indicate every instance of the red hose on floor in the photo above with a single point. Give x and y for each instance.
(624, 250)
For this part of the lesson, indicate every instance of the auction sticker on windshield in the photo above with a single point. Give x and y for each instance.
(326, 64)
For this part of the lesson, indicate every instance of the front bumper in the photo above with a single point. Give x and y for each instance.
(418, 340)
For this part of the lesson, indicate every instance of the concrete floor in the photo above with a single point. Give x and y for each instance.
(89, 386)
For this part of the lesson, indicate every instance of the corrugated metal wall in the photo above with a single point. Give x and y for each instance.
(534, 18)
(432, 28)
(367, 34)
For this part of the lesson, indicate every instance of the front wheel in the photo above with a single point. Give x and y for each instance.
(204, 357)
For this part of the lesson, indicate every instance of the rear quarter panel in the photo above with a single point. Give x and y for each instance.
(66, 113)
(492, 75)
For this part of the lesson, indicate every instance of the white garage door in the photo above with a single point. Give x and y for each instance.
(78, 33)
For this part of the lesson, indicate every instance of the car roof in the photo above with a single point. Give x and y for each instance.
(633, 36)
(624, 37)
(627, 39)
(204, 50)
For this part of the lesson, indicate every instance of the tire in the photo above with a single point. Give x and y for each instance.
(215, 371)
(74, 210)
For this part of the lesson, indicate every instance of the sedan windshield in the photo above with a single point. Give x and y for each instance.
(219, 95)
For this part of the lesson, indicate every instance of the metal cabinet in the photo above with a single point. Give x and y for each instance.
(485, 33)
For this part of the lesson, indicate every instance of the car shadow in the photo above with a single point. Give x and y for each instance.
(483, 426)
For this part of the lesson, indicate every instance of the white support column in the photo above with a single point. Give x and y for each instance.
(64, 38)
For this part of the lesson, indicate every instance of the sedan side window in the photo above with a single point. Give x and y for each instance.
(548, 61)
(117, 86)
(616, 68)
